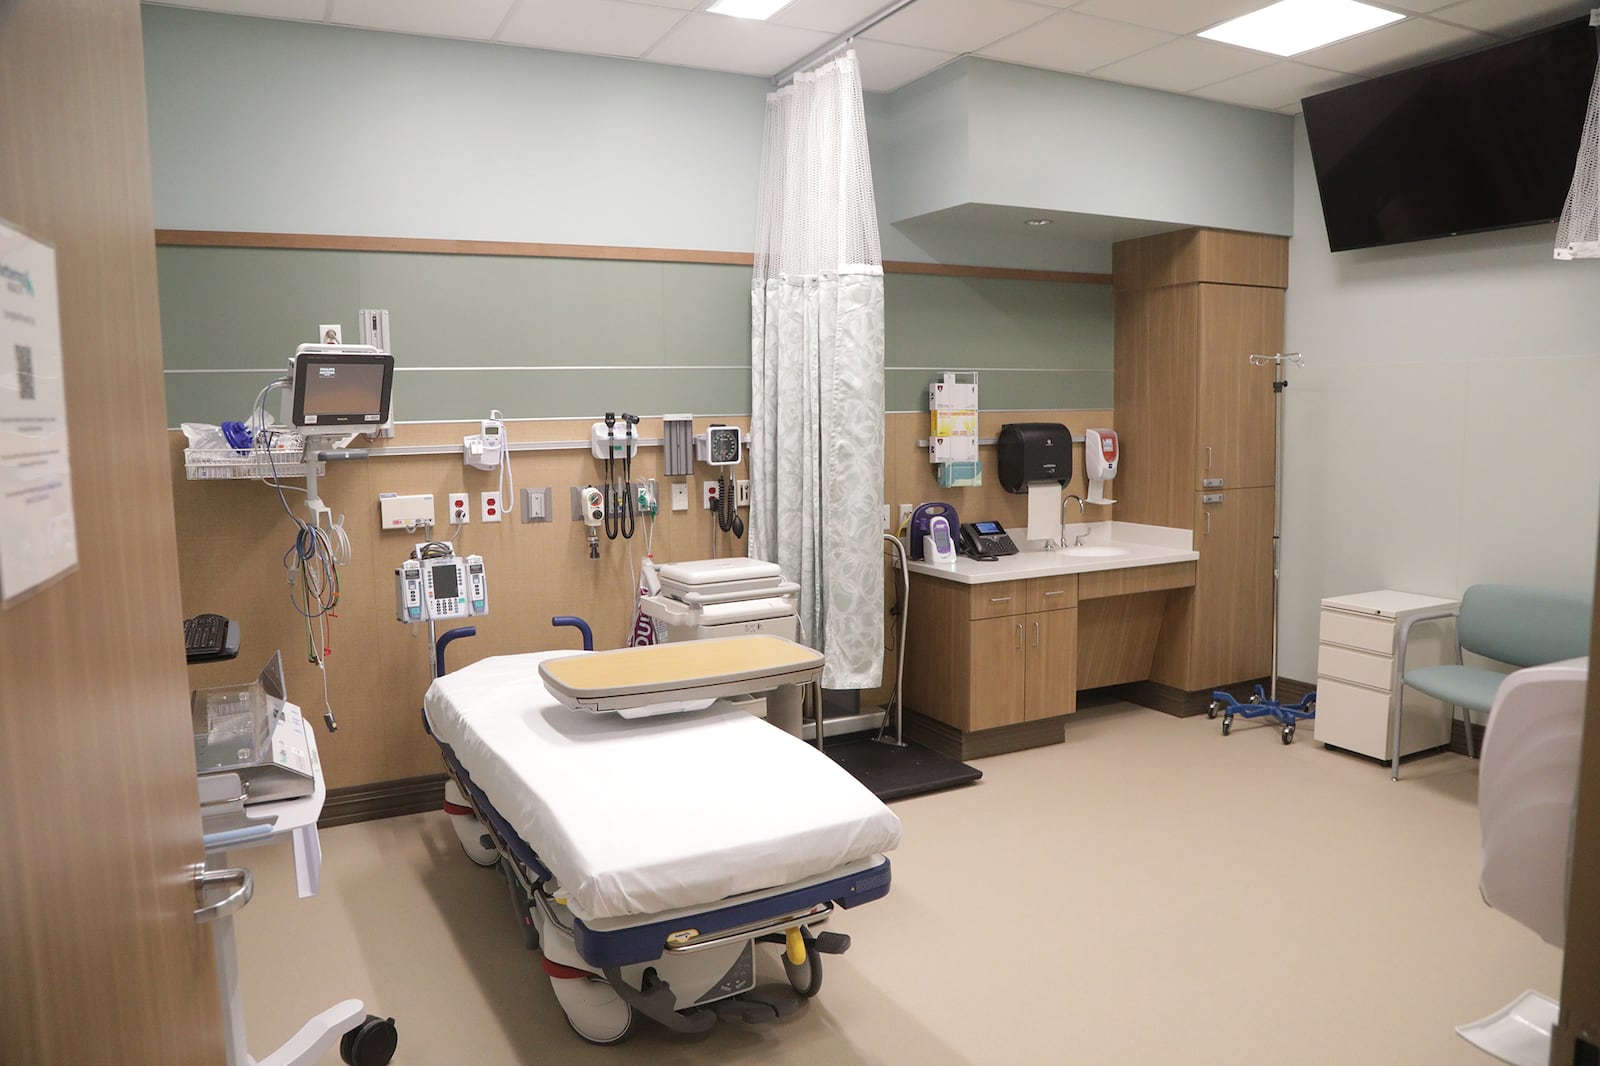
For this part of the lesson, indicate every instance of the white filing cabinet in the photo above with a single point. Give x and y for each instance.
(1356, 684)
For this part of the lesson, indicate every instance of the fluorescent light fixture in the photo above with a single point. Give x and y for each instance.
(748, 9)
(1290, 27)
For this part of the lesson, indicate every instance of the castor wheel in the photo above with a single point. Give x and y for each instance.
(1288, 734)
(1212, 708)
(1256, 698)
(371, 1043)
(1227, 724)
(806, 979)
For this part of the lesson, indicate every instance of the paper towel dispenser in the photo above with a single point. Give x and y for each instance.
(1034, 451)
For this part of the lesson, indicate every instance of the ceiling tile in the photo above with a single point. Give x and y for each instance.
(829, 16)
(739, 46)
(1184, 64)
(1416, 7)
(679, 5)
(956, 25)
(294, 10)
(596, 27)
(1074, 43)
(1511, 17)
(1395, 47)
(886, 67)
(473, 19)
(1279, 87)
(1174, 16)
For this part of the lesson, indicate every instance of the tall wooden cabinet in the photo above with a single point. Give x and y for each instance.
(1196, 421)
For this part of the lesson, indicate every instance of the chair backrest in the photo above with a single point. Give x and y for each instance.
(1524, 626)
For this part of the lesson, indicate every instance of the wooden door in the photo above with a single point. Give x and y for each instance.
(102, 960)
(1232, 635)
(996, 657)
(1052, 669)
(1157, 362)
(1236, 437)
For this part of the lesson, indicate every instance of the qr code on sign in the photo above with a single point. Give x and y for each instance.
(24, 372)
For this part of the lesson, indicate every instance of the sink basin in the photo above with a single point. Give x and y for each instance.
(1093, 551)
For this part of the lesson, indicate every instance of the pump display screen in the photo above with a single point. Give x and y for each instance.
(445, 585)
(988, 529)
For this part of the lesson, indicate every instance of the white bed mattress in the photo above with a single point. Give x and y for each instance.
(635, 817)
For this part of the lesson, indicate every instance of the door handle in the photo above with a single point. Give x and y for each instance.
(1019, 636)
(1036, 634)
(244, 887)
(1208, 457)
(1208, 523)
(999, 599)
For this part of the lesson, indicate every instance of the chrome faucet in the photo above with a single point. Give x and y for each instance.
(1077, 539)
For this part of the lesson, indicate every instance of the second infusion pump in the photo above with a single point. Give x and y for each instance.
(439, 588)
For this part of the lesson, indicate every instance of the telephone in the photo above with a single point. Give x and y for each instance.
(986, 540)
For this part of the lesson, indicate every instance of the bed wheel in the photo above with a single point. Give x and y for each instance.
(806, 979)
(371, 1043)
(594, 1009)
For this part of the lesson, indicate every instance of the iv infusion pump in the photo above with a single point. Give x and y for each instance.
(441, 588)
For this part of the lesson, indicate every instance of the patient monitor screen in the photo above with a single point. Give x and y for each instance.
(342, 390)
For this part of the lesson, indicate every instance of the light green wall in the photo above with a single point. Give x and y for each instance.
(560, 338)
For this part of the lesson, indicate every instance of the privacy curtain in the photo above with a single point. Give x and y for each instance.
(1578, 236)
(816, 457)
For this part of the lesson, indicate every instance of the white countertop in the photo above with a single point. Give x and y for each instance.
(1138, 545)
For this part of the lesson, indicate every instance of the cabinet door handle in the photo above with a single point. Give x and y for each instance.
(1019, 636)
(1057, 592)
(1208, 523)
(1208, 457)
(1000, 599)
(1036, 634)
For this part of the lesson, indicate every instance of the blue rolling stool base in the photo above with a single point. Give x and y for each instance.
(1259, 706)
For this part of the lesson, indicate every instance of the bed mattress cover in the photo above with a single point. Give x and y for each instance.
(641, 816)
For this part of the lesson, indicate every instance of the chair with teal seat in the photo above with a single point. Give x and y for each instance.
(1512, 624)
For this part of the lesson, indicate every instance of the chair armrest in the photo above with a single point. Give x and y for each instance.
(1405, 635)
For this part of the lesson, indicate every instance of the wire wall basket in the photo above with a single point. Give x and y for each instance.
(285, 459)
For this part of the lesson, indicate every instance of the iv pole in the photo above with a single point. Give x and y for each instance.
(1279, 384)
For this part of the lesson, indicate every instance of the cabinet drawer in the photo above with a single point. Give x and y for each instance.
(1352, 717)
(1362, 667)
(997, 598)
(1052, 593)
(1358, 631)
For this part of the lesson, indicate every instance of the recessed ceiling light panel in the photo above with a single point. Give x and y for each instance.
(748, 9)
(1290, 27)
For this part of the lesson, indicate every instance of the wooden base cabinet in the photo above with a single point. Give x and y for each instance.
(988, 656)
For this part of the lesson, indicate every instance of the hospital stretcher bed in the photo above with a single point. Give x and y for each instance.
(649, 854)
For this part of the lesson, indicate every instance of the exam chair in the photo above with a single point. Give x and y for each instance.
(1527, 794)
(1513, 624)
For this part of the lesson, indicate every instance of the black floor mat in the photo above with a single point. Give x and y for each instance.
(894, 773)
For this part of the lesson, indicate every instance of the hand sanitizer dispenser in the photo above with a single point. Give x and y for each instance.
(1100, 455)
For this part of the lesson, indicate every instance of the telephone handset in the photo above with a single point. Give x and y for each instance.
(986, 540)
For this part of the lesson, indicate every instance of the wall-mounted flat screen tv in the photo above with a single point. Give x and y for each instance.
(1483, 141)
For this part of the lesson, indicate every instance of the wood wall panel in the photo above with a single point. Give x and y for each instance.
(102, 961)
(232, 536)
(1117, 637)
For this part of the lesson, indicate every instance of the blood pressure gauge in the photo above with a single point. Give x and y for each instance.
(720, 446)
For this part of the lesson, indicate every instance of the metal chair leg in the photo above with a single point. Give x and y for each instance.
(1466, 719)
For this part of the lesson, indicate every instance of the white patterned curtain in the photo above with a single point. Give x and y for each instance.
(816, 458)
(1578, 236)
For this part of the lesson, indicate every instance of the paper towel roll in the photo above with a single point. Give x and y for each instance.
(1044, 510)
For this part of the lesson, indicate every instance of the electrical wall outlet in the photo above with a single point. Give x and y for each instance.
(536, 505)
(490, 507)
(905, 512)
(886, 518)
(330, 333)
(709, 493)
(741, 493)
(680, 495)
(458, 511)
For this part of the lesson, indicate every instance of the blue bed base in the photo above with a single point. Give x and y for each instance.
(646, 943)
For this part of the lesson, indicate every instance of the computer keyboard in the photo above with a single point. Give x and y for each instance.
(206, 638)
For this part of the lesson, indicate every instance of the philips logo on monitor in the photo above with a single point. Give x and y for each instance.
(18, 281)
(325, 371)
